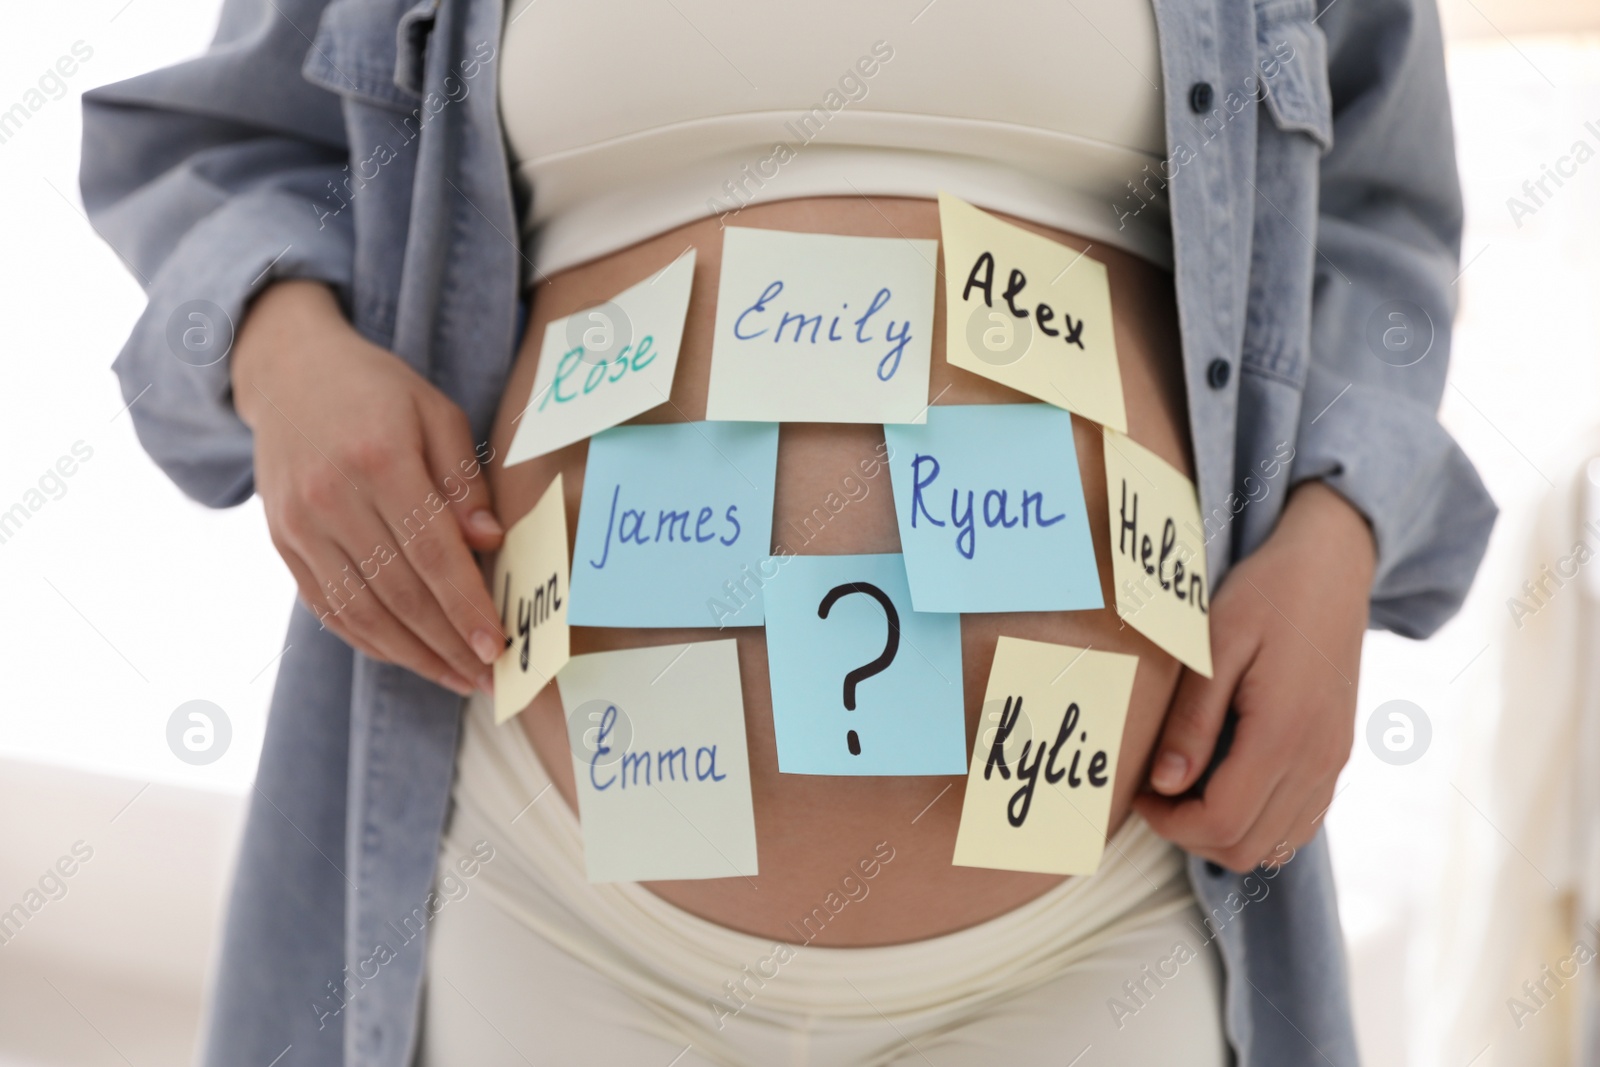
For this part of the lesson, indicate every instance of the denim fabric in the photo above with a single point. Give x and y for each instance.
(358, 143)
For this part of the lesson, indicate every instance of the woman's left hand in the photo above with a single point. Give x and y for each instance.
(1286, 631)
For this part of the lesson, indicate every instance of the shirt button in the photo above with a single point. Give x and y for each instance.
(1217, 373)
(1200, 97)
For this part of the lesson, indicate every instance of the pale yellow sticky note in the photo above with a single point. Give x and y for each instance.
(1158, 551)
(662, 769)
(603, 365)
(530, 587)
(818, 327)
(1030, 313)
(1039, 788)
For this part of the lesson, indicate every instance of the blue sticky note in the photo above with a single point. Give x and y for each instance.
(675, 521)
(991, 510)
(861, 684)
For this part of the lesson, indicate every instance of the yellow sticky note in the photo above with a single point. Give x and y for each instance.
(1030, 313)
(530, 587)
(1039, 788)
(818, 327)
(1158, 551)
(660, 762)
(603, 365)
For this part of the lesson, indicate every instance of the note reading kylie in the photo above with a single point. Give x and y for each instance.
(1039, 787)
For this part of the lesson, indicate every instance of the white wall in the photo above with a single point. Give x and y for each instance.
(1525, 384)
(107, 969)
(125, 599)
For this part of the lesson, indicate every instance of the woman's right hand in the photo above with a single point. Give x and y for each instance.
(372, 488)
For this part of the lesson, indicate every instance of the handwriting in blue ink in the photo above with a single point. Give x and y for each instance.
(995, 512)
(668, 765)
(671, 527)
(606, 370)
(807, 328)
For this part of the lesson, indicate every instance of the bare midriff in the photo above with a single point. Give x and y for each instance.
(811, 831)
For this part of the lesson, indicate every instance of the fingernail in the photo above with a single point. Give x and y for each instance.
(456, 684)
(486, 682)
(483, 522)
(1168, 772)
(486, 645)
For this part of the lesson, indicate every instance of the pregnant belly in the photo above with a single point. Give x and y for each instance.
(812, 830)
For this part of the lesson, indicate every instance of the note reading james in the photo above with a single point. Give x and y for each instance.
(674, 516)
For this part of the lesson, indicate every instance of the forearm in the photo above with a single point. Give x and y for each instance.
(290, 321)
(1326, 531)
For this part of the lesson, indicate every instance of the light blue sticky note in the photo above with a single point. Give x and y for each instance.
(675, 521)
(861, 684)
(991, 510)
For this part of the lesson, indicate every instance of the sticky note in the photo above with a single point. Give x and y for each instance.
(1030, 313)
(674, 520)
(991, 510)
(1039, 788)
(822, 328)
(530, 585)
(861, 683)
(1158, 551)
(605, 364)
(659, 755)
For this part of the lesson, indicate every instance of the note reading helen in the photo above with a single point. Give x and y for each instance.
(1158, 551)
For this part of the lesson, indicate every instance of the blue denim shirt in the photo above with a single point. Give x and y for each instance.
(1313, 197)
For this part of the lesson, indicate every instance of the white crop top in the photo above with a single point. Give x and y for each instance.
(630, 117)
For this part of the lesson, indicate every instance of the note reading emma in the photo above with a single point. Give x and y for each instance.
(662, 769)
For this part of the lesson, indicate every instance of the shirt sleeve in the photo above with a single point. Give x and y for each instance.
(1389, 241)
(210, 180)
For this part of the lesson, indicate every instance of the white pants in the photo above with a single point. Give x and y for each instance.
(531, 964)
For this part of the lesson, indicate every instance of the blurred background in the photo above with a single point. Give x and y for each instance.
(146, 601)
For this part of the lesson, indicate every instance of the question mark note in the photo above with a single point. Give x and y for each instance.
(847, 655)
(877, 666)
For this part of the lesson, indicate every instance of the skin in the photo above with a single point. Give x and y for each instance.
(349, 441)
(1295, 726)
(1286, 629)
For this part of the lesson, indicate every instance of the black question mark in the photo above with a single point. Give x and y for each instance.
(877, 666)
